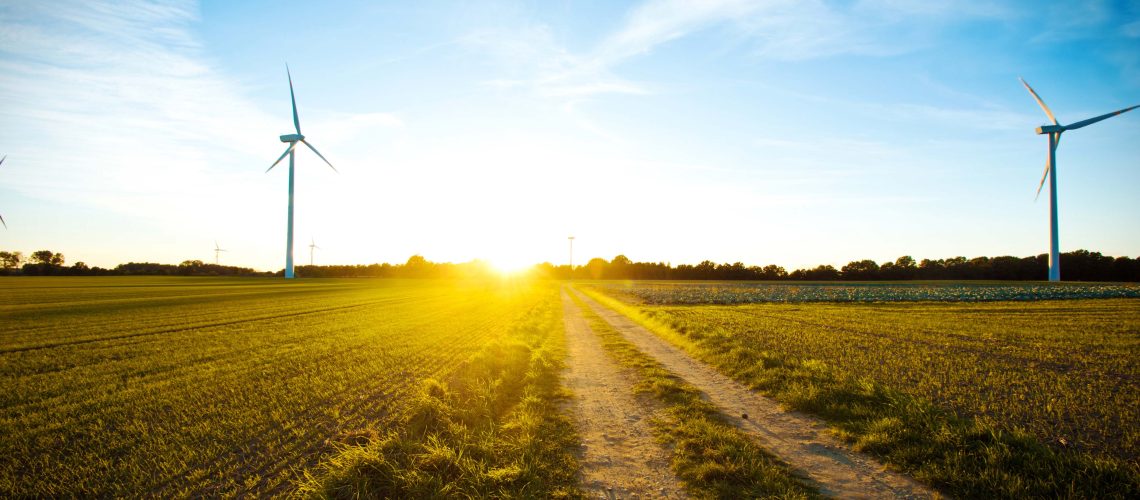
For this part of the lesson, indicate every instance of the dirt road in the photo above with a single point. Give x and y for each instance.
(799, 440)
(620, 457)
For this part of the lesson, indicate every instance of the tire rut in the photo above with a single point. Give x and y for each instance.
(801, 441)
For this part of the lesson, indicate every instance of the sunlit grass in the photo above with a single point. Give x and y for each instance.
(198, 386)
(994, 399)
(492, 429)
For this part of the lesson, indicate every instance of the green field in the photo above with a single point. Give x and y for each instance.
(200, 386)
(143, 386)
(962, 395)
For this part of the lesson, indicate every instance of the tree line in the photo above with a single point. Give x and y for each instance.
(1080, 265)
(49, 263)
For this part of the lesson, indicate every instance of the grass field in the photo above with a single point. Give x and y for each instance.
(188, 386)
(142, 386)
(997, 398)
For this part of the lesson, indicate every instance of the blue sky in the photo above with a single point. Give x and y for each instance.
(788, 132)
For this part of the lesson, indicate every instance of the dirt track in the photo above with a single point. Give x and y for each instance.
(799, 440)
(620, 457)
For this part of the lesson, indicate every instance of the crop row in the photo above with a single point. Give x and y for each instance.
(194, 394)
(746, 293)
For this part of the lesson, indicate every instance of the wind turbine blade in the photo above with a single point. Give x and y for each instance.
(296, 121)
(319, 154)
(1091, 121)
(1035, 96)
(283, 155)
(1044, 176)
(2, 159)
(2, 222)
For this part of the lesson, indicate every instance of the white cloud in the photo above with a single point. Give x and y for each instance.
(775, 29)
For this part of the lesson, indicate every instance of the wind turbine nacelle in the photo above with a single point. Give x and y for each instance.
(292, 137)
(1044, 129)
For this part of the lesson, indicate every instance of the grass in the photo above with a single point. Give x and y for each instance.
(493, 429)
(140, 386)
(978, 400)
(711, 457)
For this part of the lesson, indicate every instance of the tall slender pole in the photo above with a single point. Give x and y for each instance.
(571, 258)
(1054, 237)
(289, 237)
(311, 247)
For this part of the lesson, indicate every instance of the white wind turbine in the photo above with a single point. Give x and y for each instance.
(293, 139)
(312, 246)
(217, 251)
(1054, 132)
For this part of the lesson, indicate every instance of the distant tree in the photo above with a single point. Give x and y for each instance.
(931, 269)
(820, 273)
(11, 260)
(773, 272)
(417, 267)
(861, 270)
(706, 270)
(619, 268)
(47, 257)
(1006, 268)
(903, 268)
(596, 268)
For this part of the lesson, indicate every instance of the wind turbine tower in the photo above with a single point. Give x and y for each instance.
(293, 139)
(1054, 131)
(217, 251)
(571, 238)
(312, 246)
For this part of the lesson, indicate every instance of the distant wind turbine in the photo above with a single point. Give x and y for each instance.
(312, 246)
(293, 139)
(217, 250)
(1054, 132)
(2, 217)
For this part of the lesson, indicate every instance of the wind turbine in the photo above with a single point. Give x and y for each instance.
(312, 246)
(2, 217)
(293, 139)
(571, 238)
(217, 250)
(1055, 130)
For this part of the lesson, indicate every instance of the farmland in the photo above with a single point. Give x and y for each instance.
(759, 292)
(987, 398)
(128, 386)
(177, 386)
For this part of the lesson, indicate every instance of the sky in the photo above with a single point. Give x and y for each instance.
(794, 133)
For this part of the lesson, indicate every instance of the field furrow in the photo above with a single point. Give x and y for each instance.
(204, 394)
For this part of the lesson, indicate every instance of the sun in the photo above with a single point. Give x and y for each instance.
(509, 265)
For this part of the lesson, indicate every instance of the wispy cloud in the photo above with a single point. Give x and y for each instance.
(774, 29)
(123, 82)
